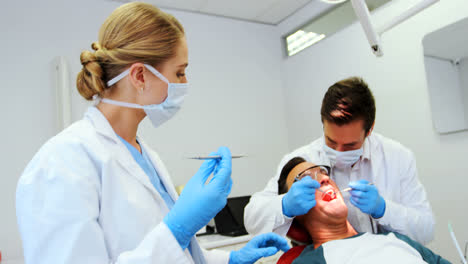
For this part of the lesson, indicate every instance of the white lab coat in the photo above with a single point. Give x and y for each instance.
(392, 168)
(84, 199)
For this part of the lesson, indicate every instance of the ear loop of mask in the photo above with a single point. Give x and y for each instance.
(127, 71)
(120, 77)
(119, 103)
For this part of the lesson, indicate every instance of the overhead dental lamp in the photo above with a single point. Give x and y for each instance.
(372, 34)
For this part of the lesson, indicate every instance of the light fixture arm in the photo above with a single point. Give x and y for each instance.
(363, 14)
(373, 36)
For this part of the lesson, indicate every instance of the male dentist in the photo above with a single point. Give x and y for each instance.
(395, 201)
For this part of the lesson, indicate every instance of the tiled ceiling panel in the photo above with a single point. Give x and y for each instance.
(188, 5)
(281, 11)
(261, 11)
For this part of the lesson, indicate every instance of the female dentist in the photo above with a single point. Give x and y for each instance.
(96, 193)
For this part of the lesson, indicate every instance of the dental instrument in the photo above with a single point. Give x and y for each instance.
(326, 196)
(320, 190)
(215, 157)
(345, 189)
(349, 188)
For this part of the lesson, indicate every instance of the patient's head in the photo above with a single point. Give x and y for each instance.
(330, 208)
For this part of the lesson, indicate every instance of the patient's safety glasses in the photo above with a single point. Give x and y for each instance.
(315, 172)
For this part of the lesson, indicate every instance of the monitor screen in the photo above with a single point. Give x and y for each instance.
(230, 220)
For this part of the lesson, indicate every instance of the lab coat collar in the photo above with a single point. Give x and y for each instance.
(125, 159)
(100, 123)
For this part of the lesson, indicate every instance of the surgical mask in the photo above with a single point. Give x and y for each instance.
(157, 113)
(342, 159)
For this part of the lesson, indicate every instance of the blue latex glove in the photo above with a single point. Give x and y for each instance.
(263, 245)
(367, 199)
(199, 202)
(300, 198)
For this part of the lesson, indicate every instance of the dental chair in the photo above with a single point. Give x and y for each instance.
(300, 239)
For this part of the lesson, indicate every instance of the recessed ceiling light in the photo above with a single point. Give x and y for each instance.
(301, 40)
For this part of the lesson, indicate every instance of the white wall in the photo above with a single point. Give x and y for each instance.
(235, 97)
(399, 85)
(463, 71)
(32, 34)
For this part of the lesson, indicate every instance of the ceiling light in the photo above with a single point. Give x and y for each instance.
(301, 40)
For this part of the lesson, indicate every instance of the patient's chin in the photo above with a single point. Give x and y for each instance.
(337, 208)
(334, 210)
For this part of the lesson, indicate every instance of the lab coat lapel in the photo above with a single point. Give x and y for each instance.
(161, 170)
(123, 156)
(126, 160)
(197, 253)
(377, 162)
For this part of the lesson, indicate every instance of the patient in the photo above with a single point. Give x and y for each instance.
(334, 239)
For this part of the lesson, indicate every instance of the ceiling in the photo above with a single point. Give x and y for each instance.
(261, 11)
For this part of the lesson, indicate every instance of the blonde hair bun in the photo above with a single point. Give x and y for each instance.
(134, 32)
(90, 79)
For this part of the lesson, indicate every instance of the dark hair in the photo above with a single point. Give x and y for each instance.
(282, 187)
(349, 100)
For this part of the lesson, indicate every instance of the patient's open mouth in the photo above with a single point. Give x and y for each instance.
(329, 195)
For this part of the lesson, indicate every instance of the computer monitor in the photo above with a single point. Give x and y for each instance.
(230, 220)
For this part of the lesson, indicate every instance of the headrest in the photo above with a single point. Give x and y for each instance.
(291, 255)
(298, 234)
